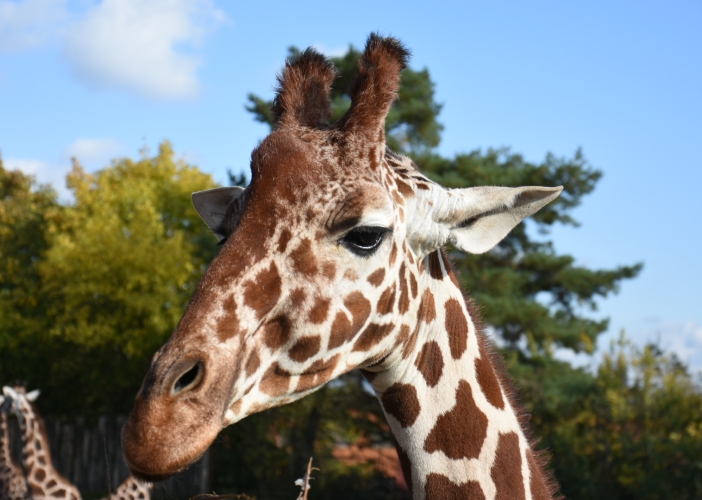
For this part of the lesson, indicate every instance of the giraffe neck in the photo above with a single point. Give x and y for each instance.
(44, 480)
(13, 484)
(131, 489)
(457, 432)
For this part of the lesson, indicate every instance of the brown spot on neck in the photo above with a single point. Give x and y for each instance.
(440, 487)
(457, 327)
(506, 472)
(460, 432)
(486, 376)
(435, 270)
(401, 401)
(430, 363)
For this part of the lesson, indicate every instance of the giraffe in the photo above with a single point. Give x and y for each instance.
(332, 260)
(13, 482)
(45, 482)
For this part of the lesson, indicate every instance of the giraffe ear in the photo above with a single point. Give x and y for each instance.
(32, 396)
(9, 392)
(212, 206)
(303, 90)
(479, 218)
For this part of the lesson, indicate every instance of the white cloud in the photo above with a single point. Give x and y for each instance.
(93, 153)
(28, 23)
(143, 46)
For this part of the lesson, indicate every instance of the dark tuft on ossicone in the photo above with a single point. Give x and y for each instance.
(303, 90)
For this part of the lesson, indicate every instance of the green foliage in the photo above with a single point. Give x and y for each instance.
(631, 431)
(96, 286)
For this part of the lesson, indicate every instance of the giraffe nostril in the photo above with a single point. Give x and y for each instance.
(188, 379)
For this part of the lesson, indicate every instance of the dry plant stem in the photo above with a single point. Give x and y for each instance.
(232, 496)
(307, 479)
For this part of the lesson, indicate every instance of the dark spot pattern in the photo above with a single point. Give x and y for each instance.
(262, 293)
(276, 381)
(376, 278)
(430, 363)
(537, 484)
(304, 261)
(305, 348)
(371, 336)
(440, 487)
(435, 265)
(252, 363)
(456, 327)
(228, 326)
(460, 432)
(401, 401)
(320, 311)
(427, 307)
(284, 239)
(276, 332)
(487, 379)
(506, 472)
(386, 303)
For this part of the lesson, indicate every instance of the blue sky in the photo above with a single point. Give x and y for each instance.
(622, 80)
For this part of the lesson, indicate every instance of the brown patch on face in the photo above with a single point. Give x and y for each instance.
(440, 487)
(460, 432)
(430, 363)
(393, 254)
(413, 286)
(457, 328)
(317, 374)
(40, 475)
(304, 261)
(410, 344)
(319, 312)
(506, 472)
(276, 332)
(435, 266)
(449, 269)
(427, 307)
(376, 278)
(262, 293)
(487, 378)
(297, 297)
(344, 330)
(252, 363)
(398, 199)
(305, 348)
(351, 275)
(228, 325)
(400, 401)
(339, 330)
(421, 185)
(404, 293)
(371, 336)
(275, 381)
(405, 464)
(329, 270)
(283, 240)
(386, 303)
(404, 188)
(537, 483)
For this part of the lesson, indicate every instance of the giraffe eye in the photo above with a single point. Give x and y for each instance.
(364, 240)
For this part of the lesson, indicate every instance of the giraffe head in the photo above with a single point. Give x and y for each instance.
(320, 265)
(19, 400)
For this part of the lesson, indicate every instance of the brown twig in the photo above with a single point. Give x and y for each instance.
(231, 496)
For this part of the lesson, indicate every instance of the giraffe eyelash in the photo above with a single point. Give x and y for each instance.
(364, 241)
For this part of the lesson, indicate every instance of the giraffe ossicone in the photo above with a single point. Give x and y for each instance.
(332, 261)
